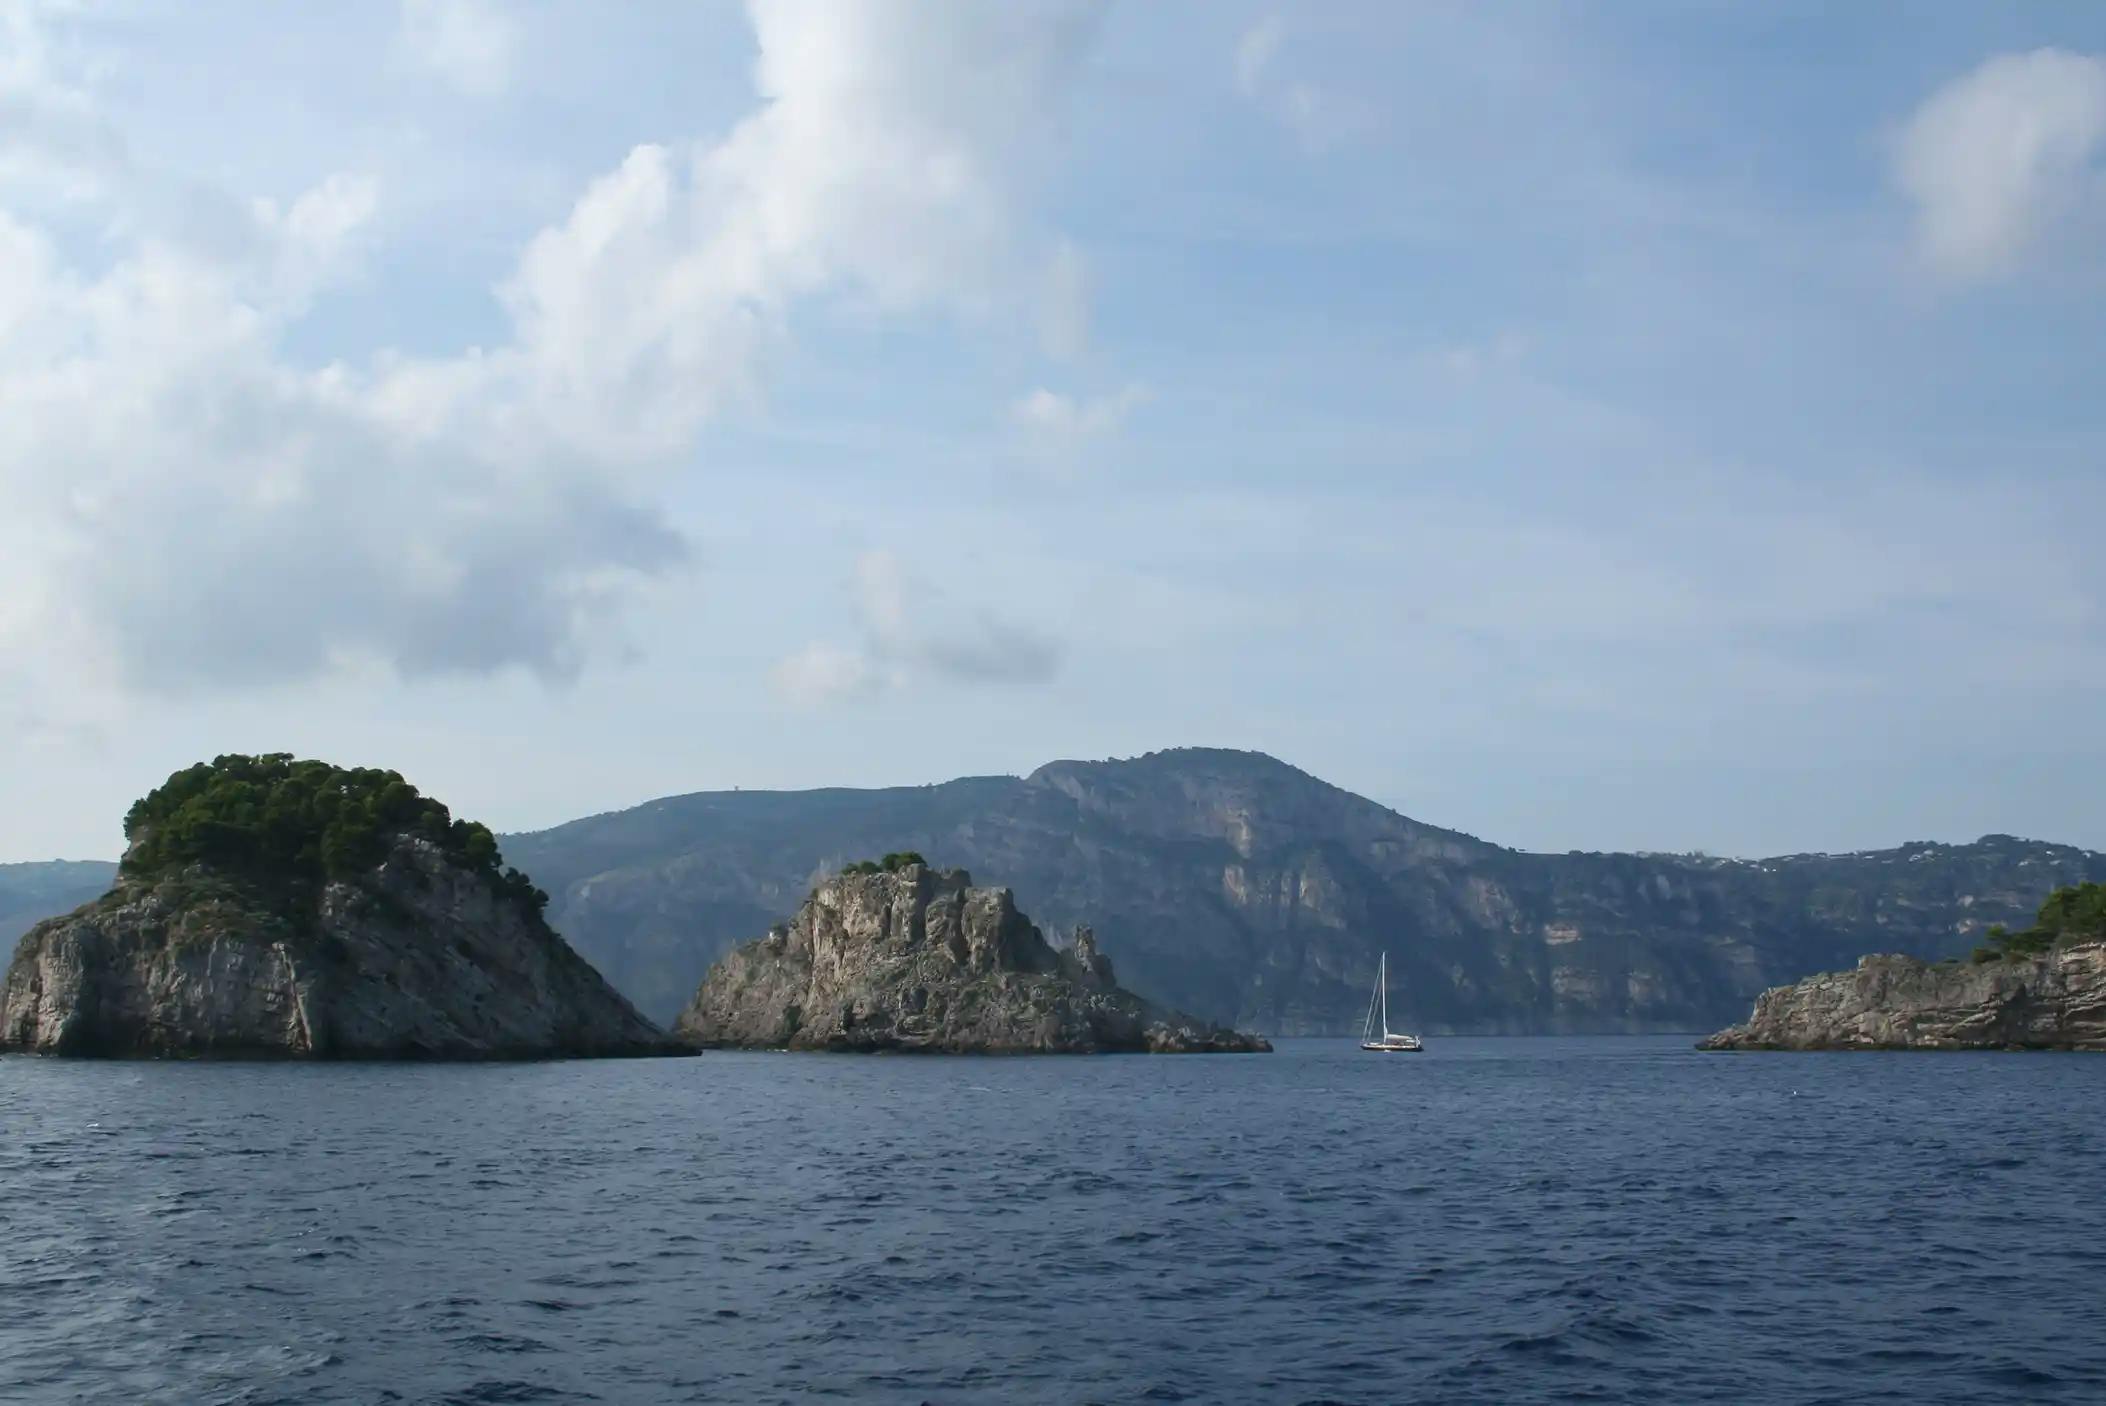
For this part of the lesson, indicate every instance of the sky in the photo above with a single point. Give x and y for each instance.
(1622, 426)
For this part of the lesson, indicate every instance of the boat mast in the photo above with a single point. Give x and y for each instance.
(1367, 1026)
(1385, 995)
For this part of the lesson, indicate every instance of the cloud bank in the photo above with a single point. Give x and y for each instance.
(185, 504)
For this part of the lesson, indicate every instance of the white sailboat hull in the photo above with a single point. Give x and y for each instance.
(1390, 1041)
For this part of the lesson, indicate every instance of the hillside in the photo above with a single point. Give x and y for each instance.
(30, 893)
(1245, 891)
(1248, 892)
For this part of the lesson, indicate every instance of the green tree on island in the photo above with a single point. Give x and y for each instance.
(2070, 915)
(273, 817)
(890, 864)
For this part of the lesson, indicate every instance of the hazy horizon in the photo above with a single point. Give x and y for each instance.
(1651, 427)
(646, 801)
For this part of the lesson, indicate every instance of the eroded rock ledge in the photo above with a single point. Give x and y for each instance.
(920, 960)
(2054, 1001)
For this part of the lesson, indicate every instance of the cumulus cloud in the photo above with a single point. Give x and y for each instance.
(1065, 419)
(1995, 158)
(468, 44)
(183, 504)
(911, 630)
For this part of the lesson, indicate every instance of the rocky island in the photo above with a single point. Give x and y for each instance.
(267, 907)
(2040, 989)
(904, 957)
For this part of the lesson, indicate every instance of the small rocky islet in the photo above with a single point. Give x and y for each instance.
(907, 958)
(2040, 989)
(273, 908)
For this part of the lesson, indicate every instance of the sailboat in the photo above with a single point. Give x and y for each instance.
(1378, 1006)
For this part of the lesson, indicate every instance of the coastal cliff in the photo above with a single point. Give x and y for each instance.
(1235, 887)
(2040, 988)
(228, 933)
(2053, 1001)
(918, 959)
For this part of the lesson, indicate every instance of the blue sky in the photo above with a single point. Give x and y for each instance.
(1588, 426)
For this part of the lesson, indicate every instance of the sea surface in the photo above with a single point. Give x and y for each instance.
(1495, 1221)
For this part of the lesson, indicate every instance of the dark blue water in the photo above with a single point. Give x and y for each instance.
(1494, 1221)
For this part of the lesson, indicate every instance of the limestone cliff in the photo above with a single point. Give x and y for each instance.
(1240, 889)
(922, 960)
(2054, 1001)
(417, 958)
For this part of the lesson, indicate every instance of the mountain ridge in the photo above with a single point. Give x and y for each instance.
(1250, 892)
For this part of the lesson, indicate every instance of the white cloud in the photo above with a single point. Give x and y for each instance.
(53, 143)
(1995, 158)
(469, 44)
(1255, 52)
(1501, 351)
(1065, 420)
(822, 673)
(910, 630)
(183, 505)
(1312, 113)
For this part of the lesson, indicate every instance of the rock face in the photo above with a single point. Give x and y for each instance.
(1236, 887)
(2055, 1001)
(419, 959)
(919, 960)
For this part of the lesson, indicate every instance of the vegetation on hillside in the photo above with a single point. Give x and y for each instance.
(277, 818)
(890, 864)
(2073, 914)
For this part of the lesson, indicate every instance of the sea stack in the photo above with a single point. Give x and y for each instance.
(273, 908)
(909, 958)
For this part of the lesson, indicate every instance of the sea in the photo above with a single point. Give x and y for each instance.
(1495, 1220)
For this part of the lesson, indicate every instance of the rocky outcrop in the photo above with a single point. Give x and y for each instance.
(2055, 1001)
(920, 960)
(419, 958)
(1238, 888)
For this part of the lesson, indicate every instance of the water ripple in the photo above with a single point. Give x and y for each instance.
(1493, 1222)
